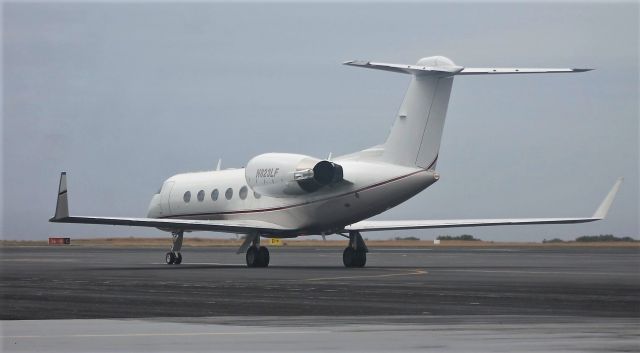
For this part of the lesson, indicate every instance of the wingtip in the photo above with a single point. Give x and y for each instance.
(356, 62)
(582, 70)
(62, 203)
(603, 209)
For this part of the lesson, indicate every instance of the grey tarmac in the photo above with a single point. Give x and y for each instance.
(502, 299)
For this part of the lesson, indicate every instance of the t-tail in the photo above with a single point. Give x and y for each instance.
(416, 133)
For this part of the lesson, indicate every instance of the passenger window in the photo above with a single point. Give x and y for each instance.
(256, 195)
(187, 196)
(201, 195)
(243, 192)
(214, 195)
(229, 193)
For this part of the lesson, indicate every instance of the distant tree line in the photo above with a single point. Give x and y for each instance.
(407, 238)
(593, 238)
(464, 237)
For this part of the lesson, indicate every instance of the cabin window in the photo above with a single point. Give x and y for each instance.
(229, 193)
(201, 195)
(214, 195)
(187, 196)
(256, 195)
(243, 192)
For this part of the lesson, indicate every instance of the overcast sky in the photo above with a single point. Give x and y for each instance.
(122, 96)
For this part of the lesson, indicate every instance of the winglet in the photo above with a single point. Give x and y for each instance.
(62, 206)
(603, 209)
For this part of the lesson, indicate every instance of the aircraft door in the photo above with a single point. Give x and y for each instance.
(164, 197)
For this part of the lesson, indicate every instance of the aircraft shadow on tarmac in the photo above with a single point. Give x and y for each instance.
(316, 268)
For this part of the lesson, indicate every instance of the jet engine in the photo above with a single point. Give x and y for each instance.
(286, 174)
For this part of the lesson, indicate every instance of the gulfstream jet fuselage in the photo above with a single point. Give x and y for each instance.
(290, 195)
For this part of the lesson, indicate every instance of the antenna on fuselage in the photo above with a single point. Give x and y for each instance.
(219, 164)
(329, 158)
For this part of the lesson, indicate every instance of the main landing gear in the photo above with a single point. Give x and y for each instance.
(257, 256)
(355, 254)
(174, 257)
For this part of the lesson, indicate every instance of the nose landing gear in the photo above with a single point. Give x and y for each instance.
(174, 257)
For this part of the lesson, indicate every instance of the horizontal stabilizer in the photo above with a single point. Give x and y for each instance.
(514, 70)
(450, 69)
(407, 69)
(600, 213)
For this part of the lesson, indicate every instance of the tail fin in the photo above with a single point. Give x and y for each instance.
(415, 136)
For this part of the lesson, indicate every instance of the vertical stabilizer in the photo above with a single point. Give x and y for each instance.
(415, 136)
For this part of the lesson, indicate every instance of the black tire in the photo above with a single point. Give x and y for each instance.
(360, 258)
(170, 258)
(178, 259)
(252, 257)
(348, 256)
(263, 256)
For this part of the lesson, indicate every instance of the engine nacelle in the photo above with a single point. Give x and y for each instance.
(286, 174)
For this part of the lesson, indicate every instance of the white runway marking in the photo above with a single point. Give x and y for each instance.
(411, 273)
(39, 260)
(400, 249)
(151, 334)
(542, 272)
(199, 263)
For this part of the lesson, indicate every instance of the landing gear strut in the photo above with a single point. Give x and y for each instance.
(355, 254)
(257, 256)
(174, 257)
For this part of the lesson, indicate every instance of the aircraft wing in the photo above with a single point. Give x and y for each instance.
(225, 226)
(228, 226)
(600, 213)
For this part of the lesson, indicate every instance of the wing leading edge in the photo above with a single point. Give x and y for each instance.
(228, 226)
(600, 213)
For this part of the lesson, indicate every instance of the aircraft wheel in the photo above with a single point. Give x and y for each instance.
(252, 257)
(263, 257)
(178, 259)
(348, 256)
(170, 258)
(360, 258)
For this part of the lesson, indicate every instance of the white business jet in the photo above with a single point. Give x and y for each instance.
(283, 195)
